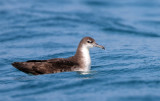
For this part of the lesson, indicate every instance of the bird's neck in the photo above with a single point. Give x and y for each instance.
(84, 58)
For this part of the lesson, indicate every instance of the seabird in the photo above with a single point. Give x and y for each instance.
(81, 61)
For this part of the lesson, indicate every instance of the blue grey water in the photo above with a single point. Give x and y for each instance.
(128, 70)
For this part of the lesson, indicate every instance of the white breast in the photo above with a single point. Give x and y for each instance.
(86, 58)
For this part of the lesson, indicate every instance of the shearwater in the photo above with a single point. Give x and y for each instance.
(81, 61)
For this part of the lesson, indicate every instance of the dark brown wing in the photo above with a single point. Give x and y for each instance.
(36, 61)
(46, 66)
(62, 65)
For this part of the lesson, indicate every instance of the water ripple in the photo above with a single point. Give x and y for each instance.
(127, 70)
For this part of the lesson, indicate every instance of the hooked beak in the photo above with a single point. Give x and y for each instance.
(100, 46)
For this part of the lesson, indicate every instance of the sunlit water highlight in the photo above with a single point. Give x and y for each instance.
(128, 70)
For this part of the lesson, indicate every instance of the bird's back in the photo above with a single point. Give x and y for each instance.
(37, 67)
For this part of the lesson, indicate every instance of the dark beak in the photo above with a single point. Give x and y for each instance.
(100, 46)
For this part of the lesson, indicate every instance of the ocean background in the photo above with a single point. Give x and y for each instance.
(128, 70)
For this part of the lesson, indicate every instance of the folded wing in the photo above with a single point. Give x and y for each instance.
(37, 67)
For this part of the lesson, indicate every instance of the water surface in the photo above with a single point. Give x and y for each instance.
(128, 70)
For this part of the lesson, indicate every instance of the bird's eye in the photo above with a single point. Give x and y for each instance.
(89, 41)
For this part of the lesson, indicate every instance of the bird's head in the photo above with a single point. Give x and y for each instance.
(90, 43)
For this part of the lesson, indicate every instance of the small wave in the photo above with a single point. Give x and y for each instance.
(135, 82)
(17, 35)
(101, 3)
(130, 32)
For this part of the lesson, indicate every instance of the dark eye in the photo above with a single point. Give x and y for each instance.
(89, 41)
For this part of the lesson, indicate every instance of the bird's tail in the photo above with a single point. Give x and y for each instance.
(23, 66)
(16, 64)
